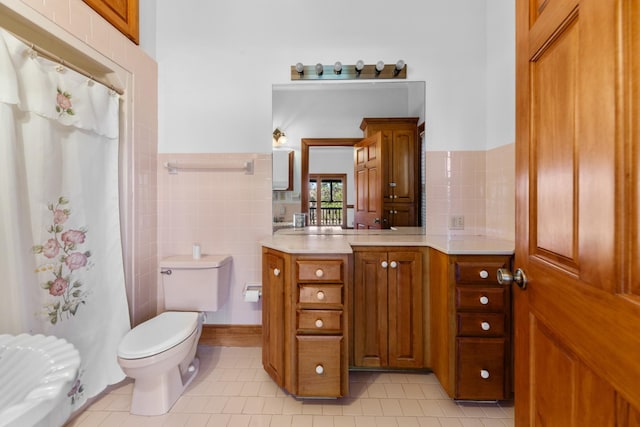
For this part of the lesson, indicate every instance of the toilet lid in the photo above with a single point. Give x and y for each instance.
(158, 334)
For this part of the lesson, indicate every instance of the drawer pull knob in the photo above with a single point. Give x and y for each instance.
(319, 369)
(484, 374)
(484, 300)
(384, 264)
(394, 264)
(484, 274)
(319, 323)
(319, 273)
(485, 326)
(320, 295)
(276, 272)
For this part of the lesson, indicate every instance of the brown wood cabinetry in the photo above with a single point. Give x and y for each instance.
(305, 300)
(470, 325)
(397, 170)
(388, 301)
(122, 14)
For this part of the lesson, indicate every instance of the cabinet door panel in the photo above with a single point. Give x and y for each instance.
(370, 310)
(273, 277)
(405, 309)
(403, 166)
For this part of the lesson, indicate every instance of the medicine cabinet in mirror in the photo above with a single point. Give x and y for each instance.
(323, 114)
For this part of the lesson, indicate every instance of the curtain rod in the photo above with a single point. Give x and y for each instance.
(50, 56)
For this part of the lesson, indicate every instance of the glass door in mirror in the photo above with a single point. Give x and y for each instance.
(327, 199)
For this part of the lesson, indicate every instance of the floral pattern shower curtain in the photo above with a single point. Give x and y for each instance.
(60, 247)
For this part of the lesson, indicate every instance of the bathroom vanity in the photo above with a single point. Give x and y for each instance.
(335, 300)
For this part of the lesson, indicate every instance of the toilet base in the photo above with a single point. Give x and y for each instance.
(156, 395)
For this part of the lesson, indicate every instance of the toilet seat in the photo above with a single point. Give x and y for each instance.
(158, 334)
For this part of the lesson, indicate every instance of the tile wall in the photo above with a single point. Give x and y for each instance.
(226, 212)
(478, 185)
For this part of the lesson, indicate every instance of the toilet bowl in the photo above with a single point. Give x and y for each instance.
(159, 355)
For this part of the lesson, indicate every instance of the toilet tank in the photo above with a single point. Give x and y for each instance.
(195, 284)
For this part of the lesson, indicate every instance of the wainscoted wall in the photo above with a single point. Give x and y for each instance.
(225, 212)
(76, 24)
(478, 185)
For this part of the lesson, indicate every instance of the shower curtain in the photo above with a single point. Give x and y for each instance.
(60, 248)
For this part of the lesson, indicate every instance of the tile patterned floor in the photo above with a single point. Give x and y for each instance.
(233, 390)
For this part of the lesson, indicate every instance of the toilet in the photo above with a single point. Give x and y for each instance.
(160, 354)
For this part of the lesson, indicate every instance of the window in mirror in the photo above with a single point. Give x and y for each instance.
(327, 200)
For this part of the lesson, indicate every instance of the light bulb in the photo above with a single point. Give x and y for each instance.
(399, 65)
(319, 69)
(337, 67)
(359, 65)
(379, 66)
(300, 68)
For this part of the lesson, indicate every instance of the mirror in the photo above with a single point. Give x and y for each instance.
(325, 113)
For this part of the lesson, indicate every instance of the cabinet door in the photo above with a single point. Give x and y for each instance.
(370, 310)
(405, 334)
(403, 176)
(399, 215)
(273, 280)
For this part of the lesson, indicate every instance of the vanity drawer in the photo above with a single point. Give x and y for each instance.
(480, 298)
(479, 271)
(320, 295)
(319, 365)
(320, 321)
(480, 324)
(480, 368)
(320, 271)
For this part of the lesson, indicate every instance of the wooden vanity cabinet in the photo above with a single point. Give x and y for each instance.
(470, 325)
(305, 337)
(399, 168)
(388, 301)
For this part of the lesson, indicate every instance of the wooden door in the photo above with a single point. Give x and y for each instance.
(368, 177)
(273, 312)
(370, 310)
(405, 282)
(577, 323)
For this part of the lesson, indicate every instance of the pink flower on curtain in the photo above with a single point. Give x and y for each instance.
(63, 103)
(62, 247)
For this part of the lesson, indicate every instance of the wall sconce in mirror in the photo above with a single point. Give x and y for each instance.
(338, 71)
(279, 137)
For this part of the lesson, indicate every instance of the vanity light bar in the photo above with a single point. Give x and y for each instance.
(338, 71)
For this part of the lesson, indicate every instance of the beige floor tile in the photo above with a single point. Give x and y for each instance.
(232, 389)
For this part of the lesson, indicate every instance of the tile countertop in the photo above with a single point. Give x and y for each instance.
(333, 240)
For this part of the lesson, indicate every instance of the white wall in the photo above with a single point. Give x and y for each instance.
(501, 62)
(218, 60)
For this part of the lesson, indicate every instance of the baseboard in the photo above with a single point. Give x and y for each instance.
(232, 335)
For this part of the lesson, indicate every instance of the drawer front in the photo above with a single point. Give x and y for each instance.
(480, 271)
(480, 368)
(327, 271)
(319, 370)
(320, 321)
(320, 295)
(480, 298)
(480, 324)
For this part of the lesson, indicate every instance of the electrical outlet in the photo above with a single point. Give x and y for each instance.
(456, 222)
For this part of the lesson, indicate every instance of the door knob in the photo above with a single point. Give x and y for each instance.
(506, 278)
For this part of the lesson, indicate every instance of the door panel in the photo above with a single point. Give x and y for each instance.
(370, 310)
(368, 177)
(576, 326)
(405, 309)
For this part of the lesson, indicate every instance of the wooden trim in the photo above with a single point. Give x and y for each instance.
(232, 335)
(305, 143)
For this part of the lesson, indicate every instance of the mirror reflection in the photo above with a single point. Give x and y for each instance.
(322, 123)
